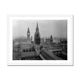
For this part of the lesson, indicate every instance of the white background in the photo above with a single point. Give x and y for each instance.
(59, 7)
(51, 62)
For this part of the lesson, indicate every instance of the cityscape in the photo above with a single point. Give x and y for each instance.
(39, 48)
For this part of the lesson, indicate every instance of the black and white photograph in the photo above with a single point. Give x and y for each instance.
(39, 39)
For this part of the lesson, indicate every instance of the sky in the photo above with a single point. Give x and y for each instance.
(56, 28)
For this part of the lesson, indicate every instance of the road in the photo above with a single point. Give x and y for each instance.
(46, 56)
(49, 55)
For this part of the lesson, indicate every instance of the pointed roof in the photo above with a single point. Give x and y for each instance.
(28, 31)
(37, 29)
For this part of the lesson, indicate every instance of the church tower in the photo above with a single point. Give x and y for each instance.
(28, 37)
(28, 33)
(37, 36)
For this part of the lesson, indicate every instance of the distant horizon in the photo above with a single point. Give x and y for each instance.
(23, 37)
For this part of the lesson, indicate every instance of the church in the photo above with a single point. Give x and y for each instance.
(27, 47)
(26, 44)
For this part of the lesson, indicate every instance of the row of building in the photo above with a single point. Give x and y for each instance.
(27, 47)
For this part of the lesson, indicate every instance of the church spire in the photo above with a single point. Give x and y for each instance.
(37, 36)
(28, 33)
(37, 29)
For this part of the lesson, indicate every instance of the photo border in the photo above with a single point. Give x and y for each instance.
(70, 39)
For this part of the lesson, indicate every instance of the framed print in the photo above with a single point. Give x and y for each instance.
(40, 40)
